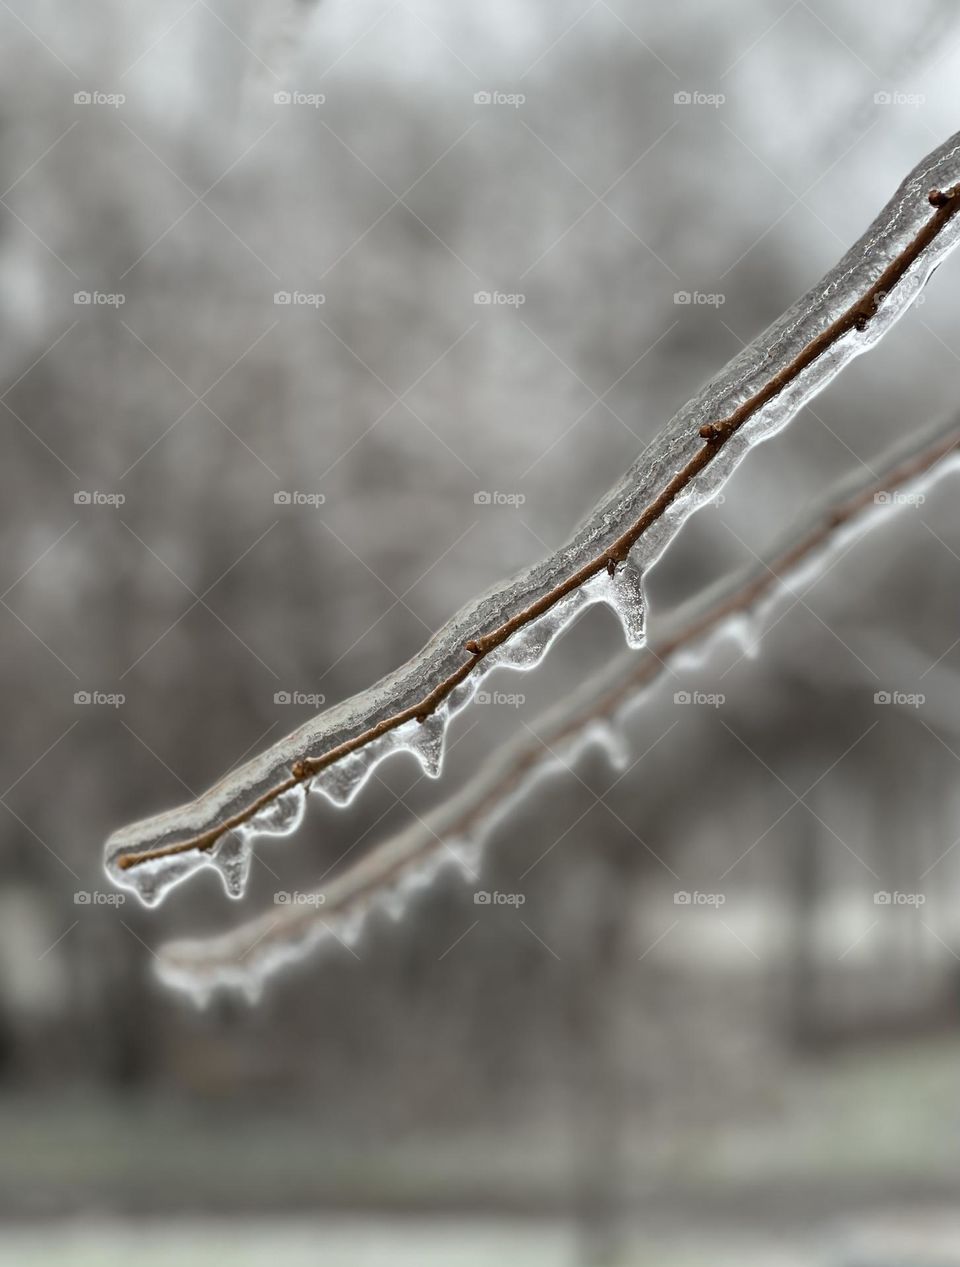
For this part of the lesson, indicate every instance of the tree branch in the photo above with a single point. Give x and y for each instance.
(408, 860)
(754, 397)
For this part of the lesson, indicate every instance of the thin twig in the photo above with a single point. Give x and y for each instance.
(508, 773)
(717, 434)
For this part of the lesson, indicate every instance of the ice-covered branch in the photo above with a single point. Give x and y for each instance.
(454, 834)
(753, 398)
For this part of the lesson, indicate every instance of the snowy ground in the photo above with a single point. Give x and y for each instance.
(928, 1242)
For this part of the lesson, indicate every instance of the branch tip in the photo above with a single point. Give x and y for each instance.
(937, 198)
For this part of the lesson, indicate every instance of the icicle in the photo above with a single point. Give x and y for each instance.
(343, 780)
(622, 590)
(281, 817)
(232, 858)
(152, 881)
(900, 239)
(395, 905)
(200, 994)
(527, 647)
(613, 742)
(426, 740)
(465, 855)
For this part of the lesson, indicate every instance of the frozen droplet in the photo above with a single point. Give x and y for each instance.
(341, 781)
(612, 740)
(462, 694)
(281, 817)
(200, 994)
(426, 740)
(251, 986)
(232, 857)
(769, 360)
(527, 647)
(522, 650)
(465, 855)
(742, 631)
(394, 904)
(351, 928)
(152, 880)
(623, 591)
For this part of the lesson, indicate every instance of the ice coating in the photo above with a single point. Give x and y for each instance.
(596, 715)
(349, 723)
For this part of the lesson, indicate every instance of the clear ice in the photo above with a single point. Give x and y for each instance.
(772, 351)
